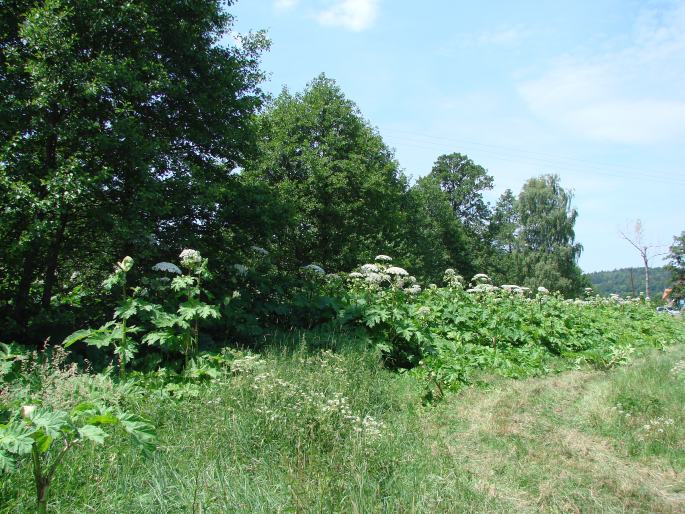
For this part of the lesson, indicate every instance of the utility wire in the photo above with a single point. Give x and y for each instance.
(508, 155)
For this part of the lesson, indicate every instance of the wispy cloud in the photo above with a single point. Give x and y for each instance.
(285, 5)
(631, 95)
(503, 36)
(355, 15)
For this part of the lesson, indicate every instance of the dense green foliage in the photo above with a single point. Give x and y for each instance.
(677, 267)
(446, 334)
(138, 131)
(121, 125)
(629, 281)
(340, 180)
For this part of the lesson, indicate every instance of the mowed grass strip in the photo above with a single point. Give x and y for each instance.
(579, 441)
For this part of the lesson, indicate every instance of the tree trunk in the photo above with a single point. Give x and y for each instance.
(21, 301)
(646, 261)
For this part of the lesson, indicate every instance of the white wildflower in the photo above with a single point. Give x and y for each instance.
(423, 310)
(376, 278)
(240, 269)
(259, 250)
(370, 268)
(167, 267)
(27, 410)
(394, 270)
(190, 258)
(481, 278)
(314, 268)
(356, 274)
(383, 258)
(483, 288)
(543, 290)
(415, 289)
(453, 279)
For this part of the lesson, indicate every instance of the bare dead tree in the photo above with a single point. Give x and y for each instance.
(646, 251)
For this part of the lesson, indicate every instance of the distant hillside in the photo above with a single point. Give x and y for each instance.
(619, 281)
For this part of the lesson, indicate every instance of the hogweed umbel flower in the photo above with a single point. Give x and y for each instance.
(190, 258)
(167, 267)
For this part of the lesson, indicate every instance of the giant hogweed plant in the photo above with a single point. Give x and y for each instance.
(44, 437)
(180, 330)
(117, 333)
(382, 298)
(448, 335)
(173, 325)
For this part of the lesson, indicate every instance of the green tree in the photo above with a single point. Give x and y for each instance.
(453, 214)
(502, 236)
(546, 252)
(119, 121)
(436, 239)
(676, 265)
(341, 180)
(463, 182)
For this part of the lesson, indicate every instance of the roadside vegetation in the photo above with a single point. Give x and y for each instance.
(197, 312)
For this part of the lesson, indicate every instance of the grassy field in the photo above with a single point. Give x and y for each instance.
(311, 430)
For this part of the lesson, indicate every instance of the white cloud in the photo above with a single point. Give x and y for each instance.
(633, 95)
(285, 5)
(356, 15)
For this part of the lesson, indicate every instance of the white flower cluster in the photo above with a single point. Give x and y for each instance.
(453, 279)
(370, 268)
(285, 401)
(483, 288)
(480, 278)
(247, 364)
(259, 250)
(543, 290)
(240, 269)
(656, 426)
(514, 289)
(414, 289)
(678, 370)
(167, 267)
(394, 270)
(383, 258)
(326, 360)
(190, 258)
(314, 268)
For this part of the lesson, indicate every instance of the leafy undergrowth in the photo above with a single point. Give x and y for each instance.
(314, 430)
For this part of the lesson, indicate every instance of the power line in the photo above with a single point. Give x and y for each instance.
(556, 157)
(509, 155)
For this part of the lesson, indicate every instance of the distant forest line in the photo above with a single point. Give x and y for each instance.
(630, 281)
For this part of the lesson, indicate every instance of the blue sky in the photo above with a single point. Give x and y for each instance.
(593, 91)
